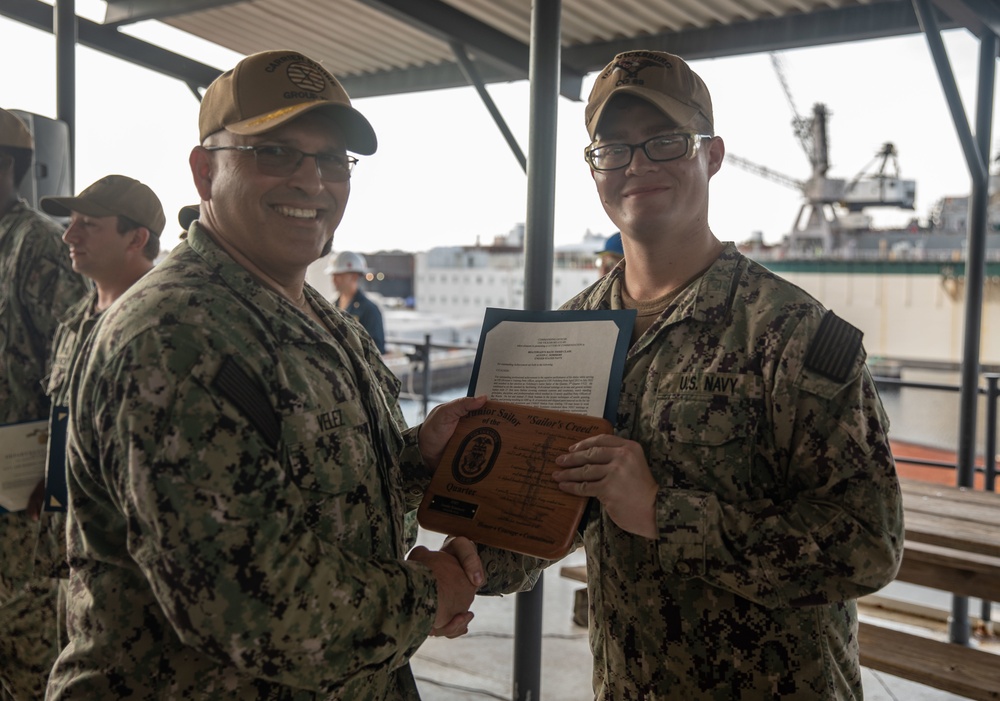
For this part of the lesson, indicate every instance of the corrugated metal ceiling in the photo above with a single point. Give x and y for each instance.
(379, 47)
(362, 39)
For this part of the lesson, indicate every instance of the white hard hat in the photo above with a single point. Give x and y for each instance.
(347, 262)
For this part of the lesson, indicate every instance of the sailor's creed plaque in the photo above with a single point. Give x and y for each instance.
(494, 483)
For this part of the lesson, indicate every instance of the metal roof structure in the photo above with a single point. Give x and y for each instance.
(380, 47)
(383, 47)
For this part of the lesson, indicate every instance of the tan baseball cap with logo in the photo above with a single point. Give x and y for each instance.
(268, 89)
(13, 132)
(660, 78)
(112, 196)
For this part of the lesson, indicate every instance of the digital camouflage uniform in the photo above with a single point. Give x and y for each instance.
(237, 493)
(778, 502)
(37, 285)
(50, 552)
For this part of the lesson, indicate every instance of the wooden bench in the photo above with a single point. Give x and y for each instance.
(952, 544)
(579, 574)
(954, 668)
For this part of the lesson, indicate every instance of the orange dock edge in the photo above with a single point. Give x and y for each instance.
(926, 473)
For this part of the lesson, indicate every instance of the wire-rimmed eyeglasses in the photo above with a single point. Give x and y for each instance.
(282, 161)
(665, 147)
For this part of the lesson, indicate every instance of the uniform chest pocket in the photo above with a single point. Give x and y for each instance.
(59, 374)
(331, 461)
(707, 443)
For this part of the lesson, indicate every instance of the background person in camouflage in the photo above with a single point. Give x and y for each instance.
(37, 285)
(748, 495)
(237, 475)
(113, 238)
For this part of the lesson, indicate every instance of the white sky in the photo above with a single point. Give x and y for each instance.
(443, 175)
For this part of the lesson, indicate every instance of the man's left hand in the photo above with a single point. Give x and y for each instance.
(440, 425)
(614, 470)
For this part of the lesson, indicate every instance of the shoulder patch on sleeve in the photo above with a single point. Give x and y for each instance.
(834, 348)
(239, 388)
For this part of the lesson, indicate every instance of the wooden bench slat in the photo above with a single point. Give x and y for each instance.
(577, 572)
(984, 515)
(966, 574)
(946, 666)
(946, 532)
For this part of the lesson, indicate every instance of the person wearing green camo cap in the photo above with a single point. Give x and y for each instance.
(239, 469)
(37, 286)
(748, 495)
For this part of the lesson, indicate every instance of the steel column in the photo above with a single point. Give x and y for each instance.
(543, 74)
(64, 29)
(976, 152)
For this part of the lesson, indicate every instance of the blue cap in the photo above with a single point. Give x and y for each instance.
(613, 244)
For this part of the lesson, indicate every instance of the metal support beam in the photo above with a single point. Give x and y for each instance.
(538, 258)
(119, 12)
(981, 17)
(473, 77)
(112, 42)
(64, 23)
(976, 150)
(794, 31)
(449, 24)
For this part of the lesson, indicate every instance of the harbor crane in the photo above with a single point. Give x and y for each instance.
(817, 222)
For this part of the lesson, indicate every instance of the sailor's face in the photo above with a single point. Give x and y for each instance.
(653, 198)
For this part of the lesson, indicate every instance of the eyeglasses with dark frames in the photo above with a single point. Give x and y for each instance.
(283, 161)
(665, 147)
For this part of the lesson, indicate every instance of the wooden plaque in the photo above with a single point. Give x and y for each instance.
(494, 483)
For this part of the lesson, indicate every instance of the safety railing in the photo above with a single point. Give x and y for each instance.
(427, 368)
(992, 393)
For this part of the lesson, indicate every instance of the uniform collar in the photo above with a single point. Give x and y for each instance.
(285, 319)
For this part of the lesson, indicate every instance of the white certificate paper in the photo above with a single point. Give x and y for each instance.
(22, 462)
(561, 360)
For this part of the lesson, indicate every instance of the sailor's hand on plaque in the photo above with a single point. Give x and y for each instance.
(455, 589)
(615, 471)
(440, 424)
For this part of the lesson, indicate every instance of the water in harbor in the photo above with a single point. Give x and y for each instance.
(929, 417)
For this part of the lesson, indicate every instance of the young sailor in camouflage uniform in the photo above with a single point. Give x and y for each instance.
(237, 475)
(748, 496)
(37, 286)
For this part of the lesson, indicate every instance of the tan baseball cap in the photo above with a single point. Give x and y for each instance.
(112, 196)
(13, 132)
(268, 89)
(662, 79)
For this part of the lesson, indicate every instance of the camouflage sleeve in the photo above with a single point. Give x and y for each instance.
(49, 286)
(509, 572)
(836, 530)
(220, 532)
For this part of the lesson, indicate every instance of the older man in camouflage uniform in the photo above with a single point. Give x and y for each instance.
(237, 475)
(748, 496)
(37, 285)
